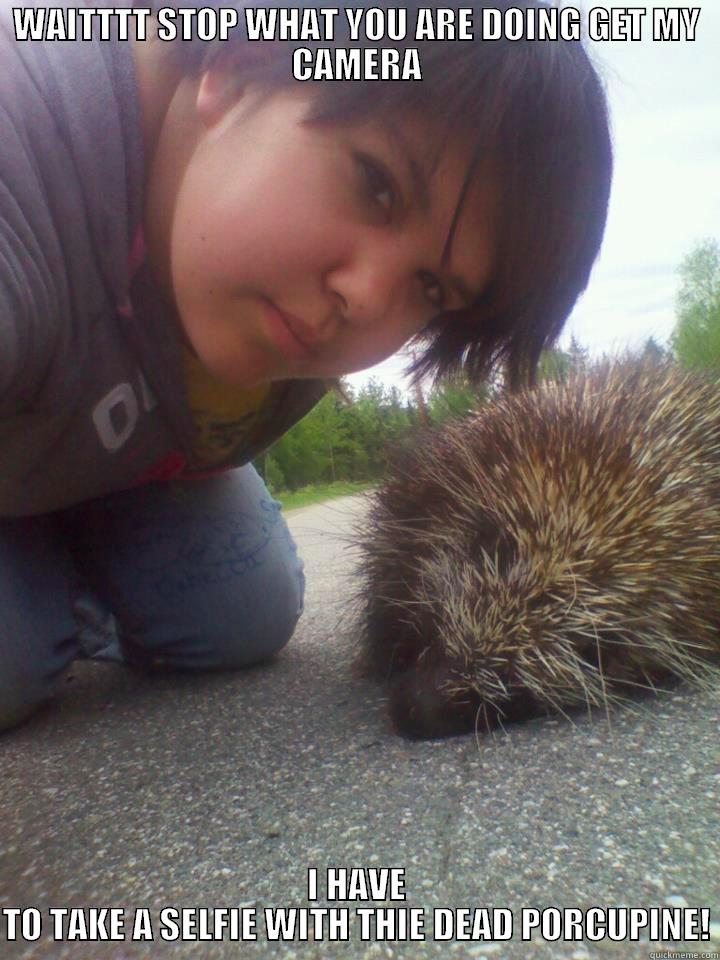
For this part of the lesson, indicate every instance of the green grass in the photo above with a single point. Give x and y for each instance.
(306, 496)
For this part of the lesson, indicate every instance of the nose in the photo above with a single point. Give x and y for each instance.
(377, 280)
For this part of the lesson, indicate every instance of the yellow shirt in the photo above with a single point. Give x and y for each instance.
(225, 417)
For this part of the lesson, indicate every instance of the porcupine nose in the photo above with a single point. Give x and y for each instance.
(420, 707)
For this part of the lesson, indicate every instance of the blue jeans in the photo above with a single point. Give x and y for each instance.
(198, 575)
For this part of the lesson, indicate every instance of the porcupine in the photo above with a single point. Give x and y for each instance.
(560, 547)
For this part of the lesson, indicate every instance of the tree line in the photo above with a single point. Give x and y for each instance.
(349, 437)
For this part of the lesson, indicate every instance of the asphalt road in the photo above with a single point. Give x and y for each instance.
(200, 793)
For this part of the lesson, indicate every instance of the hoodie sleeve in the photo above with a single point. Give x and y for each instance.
(31, 280)
(70, 200)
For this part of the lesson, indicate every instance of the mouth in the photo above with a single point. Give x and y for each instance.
(290, 333)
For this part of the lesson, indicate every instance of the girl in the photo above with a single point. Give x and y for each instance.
(192, 245)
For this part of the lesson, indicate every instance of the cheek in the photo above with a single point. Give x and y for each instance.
(266, 239)
(275, 212)
(212, 233)
(369, 347)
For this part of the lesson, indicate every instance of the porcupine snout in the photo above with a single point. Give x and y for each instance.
(440, 634)
(422, 706)
(482, 607)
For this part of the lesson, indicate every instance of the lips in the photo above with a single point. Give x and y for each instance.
(291, 334)
(300, 330)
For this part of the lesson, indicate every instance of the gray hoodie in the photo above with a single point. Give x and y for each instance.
(91, 381)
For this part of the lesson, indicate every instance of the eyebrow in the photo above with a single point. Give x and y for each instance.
(421, 190)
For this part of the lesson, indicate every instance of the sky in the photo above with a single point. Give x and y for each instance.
(665, 109)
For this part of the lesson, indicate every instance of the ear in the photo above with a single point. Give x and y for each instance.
(218, 92)
(224, 82)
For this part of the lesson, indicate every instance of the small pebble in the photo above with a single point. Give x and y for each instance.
(675, 900)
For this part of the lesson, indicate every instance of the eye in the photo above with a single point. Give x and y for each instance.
(433, 290)
(377, 185)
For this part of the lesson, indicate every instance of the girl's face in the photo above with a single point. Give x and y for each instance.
(294, 250)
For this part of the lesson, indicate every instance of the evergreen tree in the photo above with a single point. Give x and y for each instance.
(454, 397)
(653, 352)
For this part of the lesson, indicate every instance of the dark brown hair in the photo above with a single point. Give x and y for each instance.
(536, 111)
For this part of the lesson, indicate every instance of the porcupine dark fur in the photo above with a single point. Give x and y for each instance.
(559, 548)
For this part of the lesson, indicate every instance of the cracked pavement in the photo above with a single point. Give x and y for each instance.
(212, 791)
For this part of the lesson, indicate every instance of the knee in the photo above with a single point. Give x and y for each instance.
(243, 622)
(251, 634)
(219, 584)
